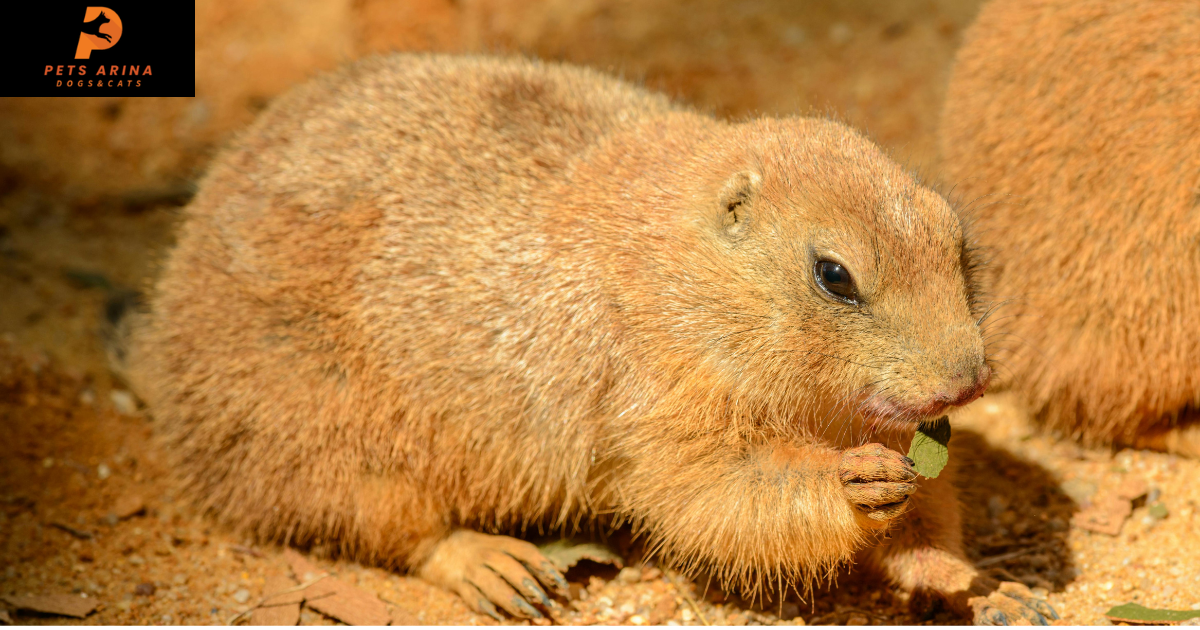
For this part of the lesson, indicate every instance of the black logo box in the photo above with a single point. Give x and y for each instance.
(40, 33)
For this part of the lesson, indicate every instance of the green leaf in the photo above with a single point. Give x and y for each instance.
(566, 554)
(930, 450)
(1137, 613)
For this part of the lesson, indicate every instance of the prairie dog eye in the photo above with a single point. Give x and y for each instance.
(835, 280)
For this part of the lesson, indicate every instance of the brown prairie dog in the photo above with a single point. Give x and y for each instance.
(430, 299)
(1074, 128)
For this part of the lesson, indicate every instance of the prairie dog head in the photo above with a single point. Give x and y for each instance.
(816, 281)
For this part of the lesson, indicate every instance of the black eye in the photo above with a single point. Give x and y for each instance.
(836, 281)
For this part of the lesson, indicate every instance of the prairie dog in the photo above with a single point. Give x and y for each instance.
(1075, 127)
(428, 300)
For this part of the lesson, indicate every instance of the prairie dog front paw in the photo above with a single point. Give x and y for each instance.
(877, 481)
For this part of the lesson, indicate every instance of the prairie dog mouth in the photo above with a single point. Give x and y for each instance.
(881, 413)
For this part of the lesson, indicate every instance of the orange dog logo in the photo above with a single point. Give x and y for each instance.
(91, 37)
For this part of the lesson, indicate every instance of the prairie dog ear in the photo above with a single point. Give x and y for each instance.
(737, 196)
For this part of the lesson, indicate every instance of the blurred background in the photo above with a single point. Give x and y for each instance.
(89, 186)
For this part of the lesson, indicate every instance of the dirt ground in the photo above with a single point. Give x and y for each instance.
(89, 197)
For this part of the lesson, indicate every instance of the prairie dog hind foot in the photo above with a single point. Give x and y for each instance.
(1011, 604)
(489, 571)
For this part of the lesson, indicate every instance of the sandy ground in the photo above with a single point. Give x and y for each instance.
(89, 194)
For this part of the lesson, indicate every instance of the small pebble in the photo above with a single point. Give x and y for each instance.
(629, 575)
(241, 596)
(103, 472)
(858, 620)
(1080, 491)
(996, 506)
(840, 33)
(136, 559)
(145, 589)
(123, 401)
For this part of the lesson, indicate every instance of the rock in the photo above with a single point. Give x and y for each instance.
(129, 506)
(840, 33)
(401, 617)
(1105, 516)
(629, 575)
(566, 554)
(304, 570)
(1081, 492)
(346, 603)
(123, 401)
(145, 589)
(858, 620)
(1131, 489)
(996, 506)
(281, 604)
(663, 610)
(241, 596)
(66, 605)
(103, 472)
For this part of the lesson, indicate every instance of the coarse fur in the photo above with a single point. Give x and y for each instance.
(429, 296)
(1075, 129)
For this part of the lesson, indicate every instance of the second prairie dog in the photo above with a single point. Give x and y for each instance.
(427, 299)
(1074, 127)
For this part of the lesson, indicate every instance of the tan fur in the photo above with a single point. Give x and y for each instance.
(429, 293)
(1075, 128)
